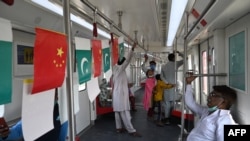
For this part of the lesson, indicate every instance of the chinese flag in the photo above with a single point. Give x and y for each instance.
(9, 2)
(115, 51)
(50, 54)
(97, 56)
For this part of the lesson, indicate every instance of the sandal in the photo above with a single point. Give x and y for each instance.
(121, 130)
(135, 134)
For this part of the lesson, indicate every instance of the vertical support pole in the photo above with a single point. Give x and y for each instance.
(176, 70)
(136, 39)
(120, 19)
(137, 71)
(69, 78)
(111, 45)
(184, 80)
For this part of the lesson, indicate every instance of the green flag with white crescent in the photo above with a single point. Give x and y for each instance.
(84, 59)
(5, 61)
(106, 55)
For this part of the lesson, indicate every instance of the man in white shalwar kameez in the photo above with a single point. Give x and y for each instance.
(168, 76)
(210, 127)
(121, 105)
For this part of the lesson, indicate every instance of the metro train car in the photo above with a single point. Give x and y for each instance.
(58, 57)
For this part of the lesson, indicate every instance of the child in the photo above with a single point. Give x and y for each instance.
(147, 99)
(158, 96)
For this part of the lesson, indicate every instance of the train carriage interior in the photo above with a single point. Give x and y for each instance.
(212, 34)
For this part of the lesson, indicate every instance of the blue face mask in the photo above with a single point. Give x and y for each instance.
(212, 109)
(152, 67)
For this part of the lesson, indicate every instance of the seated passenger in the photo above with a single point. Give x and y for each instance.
(210, 127)
(15, 132)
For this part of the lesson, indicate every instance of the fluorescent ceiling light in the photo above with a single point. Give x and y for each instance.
(177, 10)
(58, 10)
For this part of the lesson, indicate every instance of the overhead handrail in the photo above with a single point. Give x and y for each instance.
(207, 75)
(207, 8)
(98, 12)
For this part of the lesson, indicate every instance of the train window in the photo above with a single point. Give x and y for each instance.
(237, 61)
(1, 110)
(190, 62)
(213, 57)
(204, 71)
(82, 87)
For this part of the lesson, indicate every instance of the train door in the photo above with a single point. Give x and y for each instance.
(204, 53)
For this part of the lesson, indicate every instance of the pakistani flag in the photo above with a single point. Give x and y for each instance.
(84, 59)
(121, 47)
(106, 55)
(5, 61)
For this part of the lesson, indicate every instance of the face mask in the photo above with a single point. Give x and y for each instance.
(212, 109)
(151, 76)
(152, 67)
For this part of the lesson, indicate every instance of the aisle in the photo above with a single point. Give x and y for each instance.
(104, 127)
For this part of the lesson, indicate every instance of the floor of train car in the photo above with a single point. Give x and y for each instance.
(104, 127)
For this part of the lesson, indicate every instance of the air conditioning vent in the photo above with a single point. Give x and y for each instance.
(164, 5)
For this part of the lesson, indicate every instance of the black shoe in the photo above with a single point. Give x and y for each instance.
(159, 123)
(121, 130)
(135, 134)
(134, 110)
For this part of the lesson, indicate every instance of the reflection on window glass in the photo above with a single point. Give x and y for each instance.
(1, 110)
(213, 57)
(204, 71)
(82, 87)
(190, 63)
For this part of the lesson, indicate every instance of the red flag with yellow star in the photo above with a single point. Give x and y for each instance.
(97, 56)
(115, 50)
(50, 52)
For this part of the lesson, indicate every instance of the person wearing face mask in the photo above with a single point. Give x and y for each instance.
(168, 76)
(210, 127)
(121, 105)
(152, 65)
(148, 97)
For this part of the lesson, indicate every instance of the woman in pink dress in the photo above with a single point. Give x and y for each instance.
(147, 99)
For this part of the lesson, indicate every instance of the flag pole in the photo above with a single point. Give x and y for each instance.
(69, 77)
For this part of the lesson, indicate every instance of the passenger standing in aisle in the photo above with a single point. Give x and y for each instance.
(158, 96)
(168, 76)
(152, 65)
(121, 104)
(147, 98)
(210, 127)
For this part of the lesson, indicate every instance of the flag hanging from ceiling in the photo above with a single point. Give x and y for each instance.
(121, 47)
(9, 2)
(97, 56)
(5, 61)
(50, 54)
(93, 88)
(115, 50)
(105, 55)
(83, 59)
(36, 110)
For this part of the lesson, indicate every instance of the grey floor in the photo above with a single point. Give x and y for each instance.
(104, 127)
